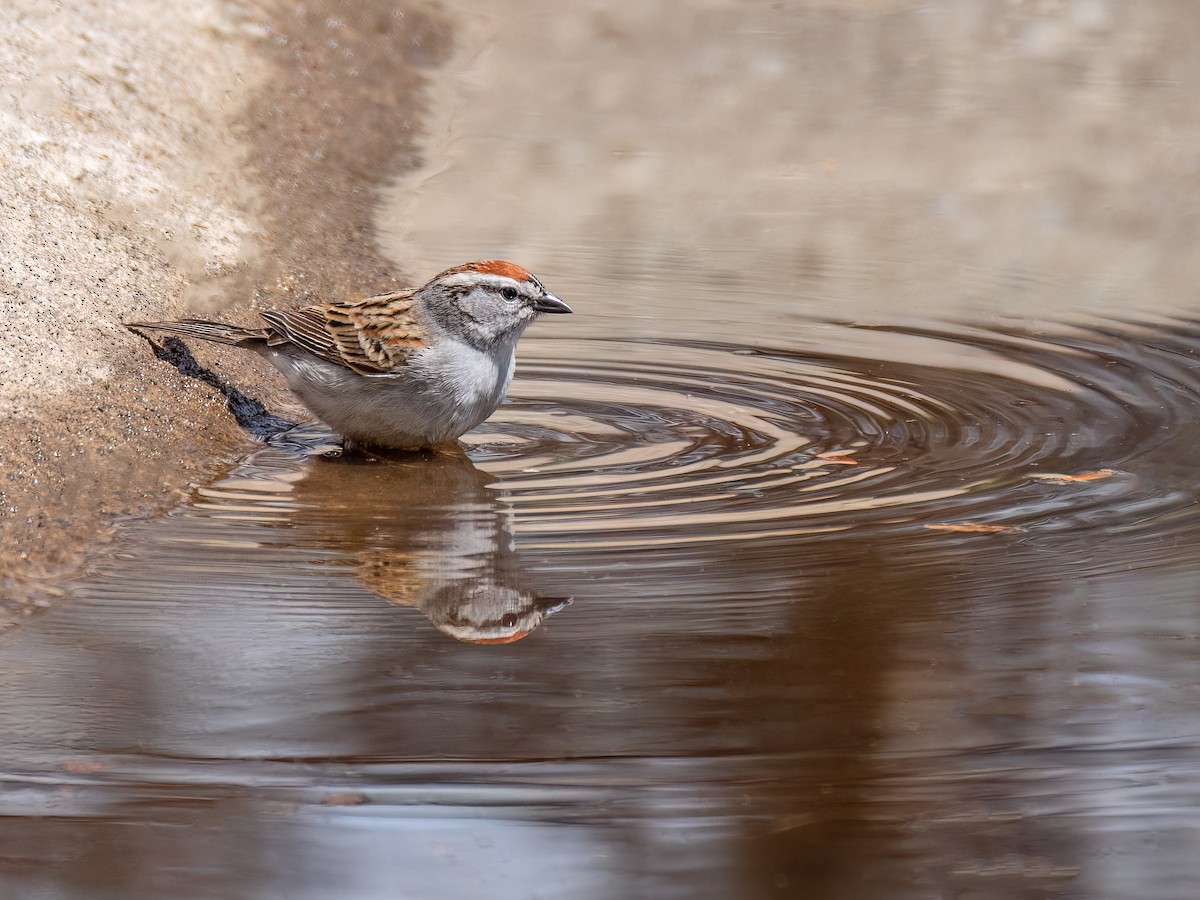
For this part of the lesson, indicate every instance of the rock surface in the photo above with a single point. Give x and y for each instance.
(163, 159)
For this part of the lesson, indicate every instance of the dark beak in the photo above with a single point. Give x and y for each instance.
(548, 303)
(550, 605)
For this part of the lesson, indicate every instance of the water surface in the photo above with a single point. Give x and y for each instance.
(686, 617)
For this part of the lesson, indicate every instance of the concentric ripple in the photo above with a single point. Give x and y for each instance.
(652, 442)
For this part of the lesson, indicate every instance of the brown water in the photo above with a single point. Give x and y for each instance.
(783, 669)
(784, 573)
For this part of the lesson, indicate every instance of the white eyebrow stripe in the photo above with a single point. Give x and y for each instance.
(469, 279)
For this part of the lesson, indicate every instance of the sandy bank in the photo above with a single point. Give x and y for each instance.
(160, 159)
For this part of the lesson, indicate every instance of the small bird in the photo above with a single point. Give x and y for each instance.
(404, 370)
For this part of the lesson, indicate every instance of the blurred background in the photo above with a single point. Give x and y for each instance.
(867, 157)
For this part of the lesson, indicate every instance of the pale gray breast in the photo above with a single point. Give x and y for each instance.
(475, 378)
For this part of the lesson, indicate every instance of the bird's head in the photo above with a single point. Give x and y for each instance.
(488, 301)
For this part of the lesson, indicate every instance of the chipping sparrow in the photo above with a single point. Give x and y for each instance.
(404, 370)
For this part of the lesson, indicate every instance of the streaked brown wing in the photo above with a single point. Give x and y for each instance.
(371, 336)
(303, 327)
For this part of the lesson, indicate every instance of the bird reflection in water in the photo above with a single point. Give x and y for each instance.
(422, 528)
(425, 530)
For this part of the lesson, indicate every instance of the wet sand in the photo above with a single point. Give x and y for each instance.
(208, 158)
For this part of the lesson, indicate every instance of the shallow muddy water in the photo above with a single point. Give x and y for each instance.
(688, 618)
(843, 544)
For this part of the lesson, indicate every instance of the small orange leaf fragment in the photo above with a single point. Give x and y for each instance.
(840, 459)
(347, 799)
(977, 528)
(83, 766)
(1056, 478)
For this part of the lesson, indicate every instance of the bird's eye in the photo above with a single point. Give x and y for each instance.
(509, 293)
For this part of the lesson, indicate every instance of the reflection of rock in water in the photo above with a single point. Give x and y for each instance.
(423, 530)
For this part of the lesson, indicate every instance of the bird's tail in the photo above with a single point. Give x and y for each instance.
(205, 331)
